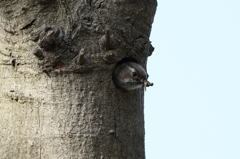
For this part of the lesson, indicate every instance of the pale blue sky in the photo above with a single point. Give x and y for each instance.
(193, 109)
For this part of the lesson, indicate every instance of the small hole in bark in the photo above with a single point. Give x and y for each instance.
(14, 62)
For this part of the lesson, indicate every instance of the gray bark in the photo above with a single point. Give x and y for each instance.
(57, 98)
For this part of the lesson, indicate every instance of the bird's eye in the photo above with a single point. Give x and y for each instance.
(134, 73)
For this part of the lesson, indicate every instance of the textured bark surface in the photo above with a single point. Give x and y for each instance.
(57, 98)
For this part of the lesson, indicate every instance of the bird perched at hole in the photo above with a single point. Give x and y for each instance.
(129, 76)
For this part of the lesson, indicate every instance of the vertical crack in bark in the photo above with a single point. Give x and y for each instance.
(90, 3)
(115, 127)
(68, 13)
(39, 139)
(100, 22)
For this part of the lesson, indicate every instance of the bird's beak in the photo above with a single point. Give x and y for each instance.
(146, 84)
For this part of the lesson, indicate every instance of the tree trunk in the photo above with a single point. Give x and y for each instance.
(57, 98)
